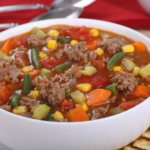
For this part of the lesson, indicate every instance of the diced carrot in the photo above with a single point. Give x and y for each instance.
(33, 74)
(130, 104)
(92, 44)
(7, 46)
(15, 86)
(141, 91)
(139, 47)
(77, 115)
(97, 96)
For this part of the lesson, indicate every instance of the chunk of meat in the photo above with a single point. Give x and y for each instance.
(21, 59)
(126, 82)
(99, 112)
(54, 92)
(59, 54)
(22, 48)
(8, 72)
(113, 45)
(79, 53)
(37, 40)
(28, 102)
(7, 108)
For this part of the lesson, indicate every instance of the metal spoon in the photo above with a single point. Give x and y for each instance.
(69, 12)
(56, 4)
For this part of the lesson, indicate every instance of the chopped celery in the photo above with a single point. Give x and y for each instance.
(3, 55)
(78, 96)
(45, 73)
(145, 72)
(115, 110)
(38, 32)
(34, 108)
(128, 64)
(88, 71)
(41, 111)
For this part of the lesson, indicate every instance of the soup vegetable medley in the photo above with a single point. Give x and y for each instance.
(70, 74)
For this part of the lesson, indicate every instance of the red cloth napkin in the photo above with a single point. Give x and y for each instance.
(124, 12)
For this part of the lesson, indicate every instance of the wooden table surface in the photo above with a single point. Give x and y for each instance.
(144, 31)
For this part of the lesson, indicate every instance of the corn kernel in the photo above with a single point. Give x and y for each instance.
(99, 52)
(20, 110)
(117, 68)
(53, 33)
(136, 71)
(84, 87)
(26, 69)
(95, 32)
(43, 55)
(128, 49)
(52, 44)
(58, 115)
(35, 92)
(82, 105)
(73, 42)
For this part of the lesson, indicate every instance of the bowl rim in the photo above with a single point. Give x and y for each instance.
(73, 123)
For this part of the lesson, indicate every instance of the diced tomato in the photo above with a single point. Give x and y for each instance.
(96, 80)
(18, 41)
(77, 33)
(98, 64)
(66, 104)
(130, 104)
(4, 95)
(92, 44)
(23, 56)
(50, 63)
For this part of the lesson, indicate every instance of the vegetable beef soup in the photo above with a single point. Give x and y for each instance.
(70, 74)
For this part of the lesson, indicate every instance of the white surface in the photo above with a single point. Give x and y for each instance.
(146, 5)
(109, 133)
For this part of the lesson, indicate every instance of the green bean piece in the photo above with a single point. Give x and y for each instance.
(113, 88)
(35, 57)
(64, 39)
(26, 88)
(68, 93)
(62, 67)
(41, 102)
(3, 55)
(115, 110)
(49, 116)
(15, 100)
(45, 73)
(114, 59)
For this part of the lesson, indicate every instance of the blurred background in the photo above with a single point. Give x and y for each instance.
(125, 12)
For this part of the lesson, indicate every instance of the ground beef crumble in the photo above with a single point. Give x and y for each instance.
(55, 92)
(28, 102)
(126, 82)
(22, 48)
(113, 45)
(79, 53)
(8, 72)
(98, 113)
(59, 120)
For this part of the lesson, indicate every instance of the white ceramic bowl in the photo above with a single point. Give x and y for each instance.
(111, 133)
(145, 4)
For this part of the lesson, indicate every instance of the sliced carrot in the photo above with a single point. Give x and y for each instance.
(141, 91)
(77, 115)
(7, 46)
(97, 96)
(92, 44)
(15, 86)
(33, 74)
(139, 47)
